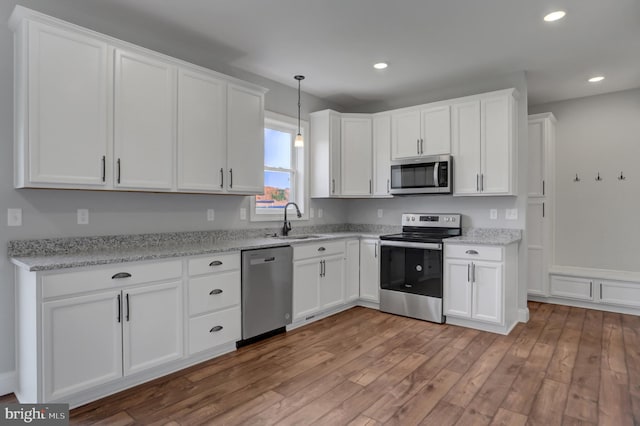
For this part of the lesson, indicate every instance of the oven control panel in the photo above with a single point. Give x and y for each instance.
(431, 220)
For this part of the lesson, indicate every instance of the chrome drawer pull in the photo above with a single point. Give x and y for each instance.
(216, 329)
(121, 275)
(215, 291)
(215, 263)
(471, 252)
(321, 249)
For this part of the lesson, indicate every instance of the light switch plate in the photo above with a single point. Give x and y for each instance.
(493, 214)
(83, 216)
(211, 215)
(320, 212)
(243, 213)
(14, 217)
(380, 213)
(511, 214)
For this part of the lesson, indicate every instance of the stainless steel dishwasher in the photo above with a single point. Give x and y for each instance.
(267, 292)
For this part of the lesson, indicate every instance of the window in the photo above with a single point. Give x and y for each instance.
(284, 170)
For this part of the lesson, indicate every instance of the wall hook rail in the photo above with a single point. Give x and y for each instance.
(622, 176)
(598, 178)
(576, 179)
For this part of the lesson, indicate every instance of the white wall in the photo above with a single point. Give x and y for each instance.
(597, 222)
(48, 213)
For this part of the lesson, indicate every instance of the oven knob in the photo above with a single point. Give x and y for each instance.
(453, 219)
(446, 219)
(413, 218)
(419, 268)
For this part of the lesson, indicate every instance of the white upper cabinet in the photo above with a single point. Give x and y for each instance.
(484, 144)
(62, 98)
(540, 143)
(356, 157)
(144, 123)
(202, 135)
(419, 132)
(245, 140)
(326, 132)
(381, 155)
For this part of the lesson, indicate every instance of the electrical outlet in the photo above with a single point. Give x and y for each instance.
(320, 212)
(312, 212)
(511, 214)
(243, 213)
(380, 213)
(493, 214)
(211, 215)
(83, 216)
(14, 217)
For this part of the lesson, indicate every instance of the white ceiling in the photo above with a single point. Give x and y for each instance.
(429, 44)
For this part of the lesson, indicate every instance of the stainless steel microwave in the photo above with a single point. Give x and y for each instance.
(425, 175)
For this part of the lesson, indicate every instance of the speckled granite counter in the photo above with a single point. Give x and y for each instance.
(490, 236)
(60, 253)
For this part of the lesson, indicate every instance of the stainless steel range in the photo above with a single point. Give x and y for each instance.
(411, 265)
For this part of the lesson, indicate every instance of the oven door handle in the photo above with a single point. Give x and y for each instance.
(409, 244)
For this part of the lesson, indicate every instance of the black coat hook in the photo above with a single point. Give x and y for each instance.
(576, 179)
(598, 178)
(622, 176)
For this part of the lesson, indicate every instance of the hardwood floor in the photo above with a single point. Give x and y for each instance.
(567, 366)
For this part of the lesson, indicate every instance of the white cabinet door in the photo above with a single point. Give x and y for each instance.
(332, 282)
(381, 155)
(153, 326)
(487, 292)
(496, 145)
(82, 339)
(202, 143)
(306, 297)
(356, 156)
(68, 92)
(245, 140)
(352, 270)
(457, 288)
(572, 288)
(619, 293)
(536, 158)
(145, 122)
(537, 282)
(405, 134)
(436, 131)
(465, 147)
(370, 270)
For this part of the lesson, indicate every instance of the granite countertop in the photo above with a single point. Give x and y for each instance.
(488, 236)
(62, 253)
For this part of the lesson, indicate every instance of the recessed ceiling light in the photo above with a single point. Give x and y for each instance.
(596, 79)
(380, 65)
(554, 16)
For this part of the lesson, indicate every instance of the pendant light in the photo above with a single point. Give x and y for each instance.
(299, 142)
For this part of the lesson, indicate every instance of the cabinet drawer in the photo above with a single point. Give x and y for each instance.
(474, 252)
(209, 331)
(326, 248)
(573, 288)
(620, 293)
(103, 278)
(214, 292)
(214, 263)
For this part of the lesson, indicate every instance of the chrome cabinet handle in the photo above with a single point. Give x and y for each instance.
(321, 249)
(482, 182)
(118, 164)
(119, 309)
(600, 291)
(104, 168)
(421, 146)
(375, 250)
(216, 329)
(471, 252)
(230, 178)
(333, 186)
(477, 182)
(388, 188)
(215, 291)
(468, 272)
(543, 209)
(590, 289)
(128, 307)
(542, 187)
(418, 146)
(121, 275)
(321, 268)
(221, 177)
(473, 272)
(215, 263)
(370, 187)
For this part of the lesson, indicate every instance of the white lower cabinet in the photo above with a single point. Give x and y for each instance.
(597, 293)
(573, 288)
(370, 270)
(480, 286)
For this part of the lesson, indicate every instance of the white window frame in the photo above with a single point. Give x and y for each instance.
(299, 158)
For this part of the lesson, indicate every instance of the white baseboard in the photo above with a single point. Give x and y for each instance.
(8, 382)
(523, 315)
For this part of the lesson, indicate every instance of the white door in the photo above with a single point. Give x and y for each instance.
(496, 145)
(457, 288)
(436, 131)
(487, 292)
(370, 270)
(145, 122)
(306, 298)
(352, 270)
(332, 282)
(381, 155)
(68, 95)
(405, 134)
(202, 137)
(537, 281)
(356, 156)
(82, 339)
(153, 326)
(465, 147)
(245, 141)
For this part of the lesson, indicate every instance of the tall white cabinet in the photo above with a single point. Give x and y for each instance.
(325, 145)
(541, 146)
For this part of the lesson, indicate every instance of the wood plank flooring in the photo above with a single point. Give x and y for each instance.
(361, 367)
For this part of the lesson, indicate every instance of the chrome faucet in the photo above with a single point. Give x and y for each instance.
(287, 225)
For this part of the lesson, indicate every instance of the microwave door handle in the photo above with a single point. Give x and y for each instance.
(436, 166)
